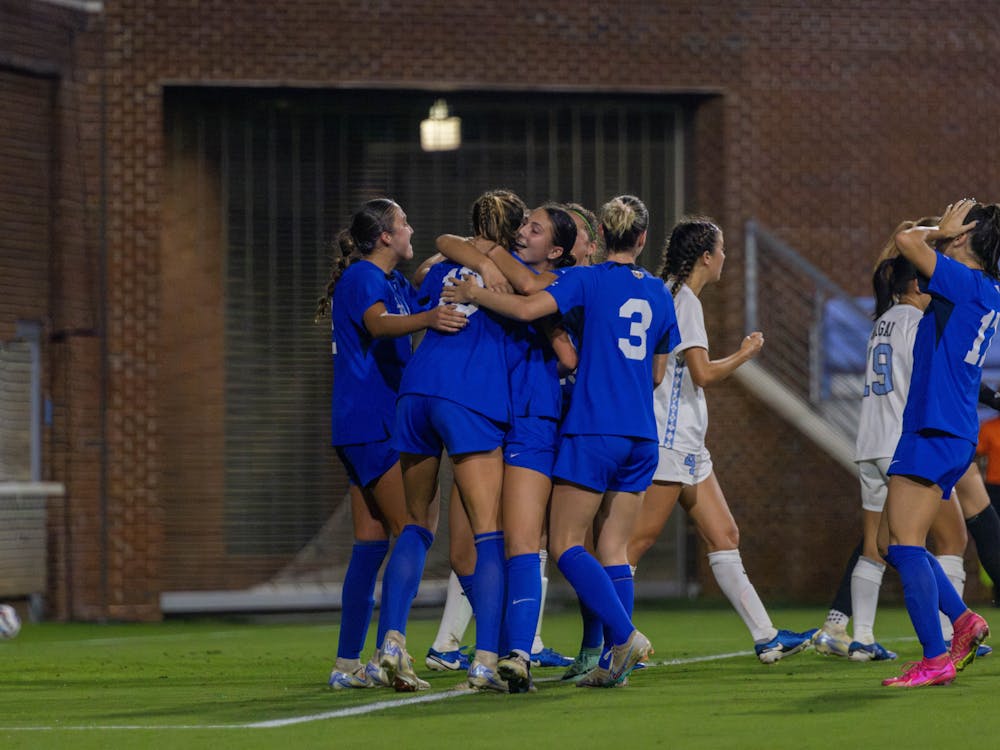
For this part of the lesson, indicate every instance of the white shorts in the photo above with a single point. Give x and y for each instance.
(874, 483)
(686, 468)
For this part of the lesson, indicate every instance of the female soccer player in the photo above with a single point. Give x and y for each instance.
(607, 450)
(940, 425)
(372, 322)
(454, 395)
(693, 258)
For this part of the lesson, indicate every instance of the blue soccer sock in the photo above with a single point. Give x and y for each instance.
(489, 588)
(949, 600)
(593, 628)
(402, 578)
(920, 592)
(358, 596)
(466, 583)
(621, 579)
(524, 596)
(595, 589)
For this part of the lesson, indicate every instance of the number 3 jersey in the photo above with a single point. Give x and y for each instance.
(681, 411)
(888, 367)
(628, 316)
(951, 344)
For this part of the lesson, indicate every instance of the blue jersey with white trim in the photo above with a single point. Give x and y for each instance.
(949, 350)
(367, 371)
(627, 317)
(468, 367)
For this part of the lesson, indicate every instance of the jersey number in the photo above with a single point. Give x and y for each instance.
(640, 314)
(987, 327)
(881, 383)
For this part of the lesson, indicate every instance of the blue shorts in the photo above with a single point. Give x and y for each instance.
(938, 457)
(426, 424)
(366, 462)
(607, 462)
(531, 444)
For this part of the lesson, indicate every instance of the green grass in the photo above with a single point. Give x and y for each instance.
(199, 683)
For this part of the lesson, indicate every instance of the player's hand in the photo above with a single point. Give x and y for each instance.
(752, 344)
(446, 319)
(460, 290)
(951, 224)
(493, 277)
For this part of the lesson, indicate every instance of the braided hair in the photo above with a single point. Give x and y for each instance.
(563, 233)
(690, 238)
(984, 238)
(356, 242)
(891, 279)
(623, 220)
(497, 215)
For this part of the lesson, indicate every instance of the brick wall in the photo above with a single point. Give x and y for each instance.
(828, 121)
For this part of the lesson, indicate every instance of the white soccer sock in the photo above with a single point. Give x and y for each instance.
(727, 567)
(537, 645)
(954, 568)
(866, 582)
(836, 620)
(455, 618)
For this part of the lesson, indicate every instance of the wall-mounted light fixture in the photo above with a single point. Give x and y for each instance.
(439, 132)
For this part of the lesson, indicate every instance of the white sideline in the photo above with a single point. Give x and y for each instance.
(340, 713)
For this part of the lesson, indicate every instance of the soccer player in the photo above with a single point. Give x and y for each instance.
(373, 315)
(607, 451)
(454, 395)
(693, 258)
(940, 425)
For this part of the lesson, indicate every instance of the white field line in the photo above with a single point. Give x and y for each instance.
(353, 711)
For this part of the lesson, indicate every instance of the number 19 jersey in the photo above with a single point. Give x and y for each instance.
(888, 367)
(628, 316)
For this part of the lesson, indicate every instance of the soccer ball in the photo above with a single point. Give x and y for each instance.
(10, 623)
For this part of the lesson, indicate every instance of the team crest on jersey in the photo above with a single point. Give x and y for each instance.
(466, 308)
(637, 273)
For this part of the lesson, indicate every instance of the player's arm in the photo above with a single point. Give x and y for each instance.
(660, 368)
(989, 397)
(383, 324)
(705, 371)
(523, 279)
(516, 306)
(423, 268)
(918, 243)
(471, 253)
(566, 353)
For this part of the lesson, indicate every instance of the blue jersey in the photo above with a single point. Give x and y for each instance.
(628, 316)
(367, 371)
(534, 374)
(948, 353)
(468, 367)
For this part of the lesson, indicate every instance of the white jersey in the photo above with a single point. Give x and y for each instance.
(888, 367)
(679, 404)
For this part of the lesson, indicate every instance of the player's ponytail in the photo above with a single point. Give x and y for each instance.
(984, 238)
(623, 220)
(497, 215)
(890, 281)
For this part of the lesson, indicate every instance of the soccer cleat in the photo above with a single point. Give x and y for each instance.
(625, 656)
(970, 631)
(785, 643)
(398, 664)
(483, 678)
(983, 650)
(374, 673)
(832, 642)
(447, 661)
(924, 672)
(347, 680)
(585, 661)
(548, 657)
(599, 677)
(870, 652)
(516, 670)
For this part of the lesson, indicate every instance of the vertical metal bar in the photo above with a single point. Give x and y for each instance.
(680, 199)
(576, 139)
(816, 350)
(30, 331)
(751, 322)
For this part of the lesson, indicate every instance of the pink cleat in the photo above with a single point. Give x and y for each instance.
(936, 671)
(970, 631)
